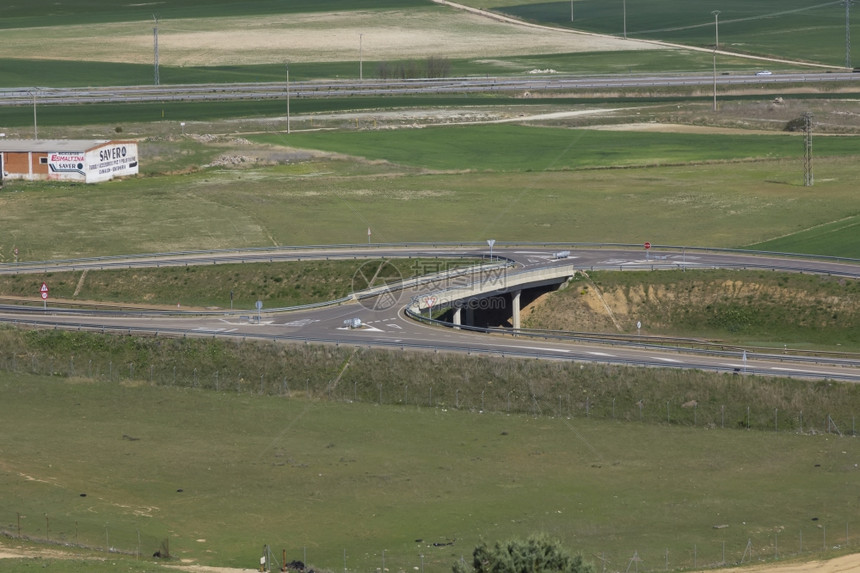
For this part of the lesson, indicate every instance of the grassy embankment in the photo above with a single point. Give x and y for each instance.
(277, 285)
(316, 465)
(733, 307)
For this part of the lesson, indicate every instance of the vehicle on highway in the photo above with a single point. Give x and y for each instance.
(764, 73)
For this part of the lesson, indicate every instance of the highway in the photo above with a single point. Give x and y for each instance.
(385, 324)
(373, 87)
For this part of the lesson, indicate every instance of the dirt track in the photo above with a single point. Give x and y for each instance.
(838, 565)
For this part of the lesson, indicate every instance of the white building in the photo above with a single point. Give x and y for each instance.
(87, 160)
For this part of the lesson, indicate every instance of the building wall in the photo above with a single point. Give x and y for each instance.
(100, 163)
(24, 165)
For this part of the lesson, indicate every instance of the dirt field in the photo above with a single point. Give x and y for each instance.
(317, 37)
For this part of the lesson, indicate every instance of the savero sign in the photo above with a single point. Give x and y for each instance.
(116, 159)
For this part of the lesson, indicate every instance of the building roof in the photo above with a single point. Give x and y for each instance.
(49, 145)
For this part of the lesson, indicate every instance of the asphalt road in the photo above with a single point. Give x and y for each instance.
(384, 323)
(372, 87)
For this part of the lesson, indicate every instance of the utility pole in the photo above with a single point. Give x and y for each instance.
(571, 10)
(807, 151)
(848, 33)
(35, 124)
(288, 98)
(625, 19)
(716, 14)
(155, 46)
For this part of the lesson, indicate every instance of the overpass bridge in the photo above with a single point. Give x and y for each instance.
(501, 283)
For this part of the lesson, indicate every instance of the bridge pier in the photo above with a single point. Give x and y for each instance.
(515, 308)
(457, 317)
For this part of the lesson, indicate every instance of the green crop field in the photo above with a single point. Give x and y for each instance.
(519, 148)
(793, 29)
(59, 73)
(37, 13)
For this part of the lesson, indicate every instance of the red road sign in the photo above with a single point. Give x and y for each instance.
(44, 291)
(647, 245)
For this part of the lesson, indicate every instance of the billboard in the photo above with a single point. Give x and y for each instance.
(63, 165)
(116, 159)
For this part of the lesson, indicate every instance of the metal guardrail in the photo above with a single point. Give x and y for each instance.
(735, 354)
(220, 253)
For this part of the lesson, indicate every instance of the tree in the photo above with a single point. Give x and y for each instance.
(538, 554)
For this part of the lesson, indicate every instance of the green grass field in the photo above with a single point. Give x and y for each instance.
(562, 192)
(840, 238)
(220, 474)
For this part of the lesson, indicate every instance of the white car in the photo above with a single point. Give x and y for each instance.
(764, 73)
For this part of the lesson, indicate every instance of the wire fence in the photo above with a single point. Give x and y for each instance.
(812, 540)
(28, 524)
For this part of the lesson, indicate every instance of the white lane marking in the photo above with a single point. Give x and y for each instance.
(363, 328)
(249, 322)
(214, 330)
(539, 348)
(664, 359)
(601, 354)
(796, 370)
(303, 322)
(397, 326)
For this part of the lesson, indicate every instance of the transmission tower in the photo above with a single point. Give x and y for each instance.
(807, 150)
(155, 46)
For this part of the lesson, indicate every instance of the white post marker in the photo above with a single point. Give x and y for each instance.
(638, 327)
(44, 292)
(491, 242)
